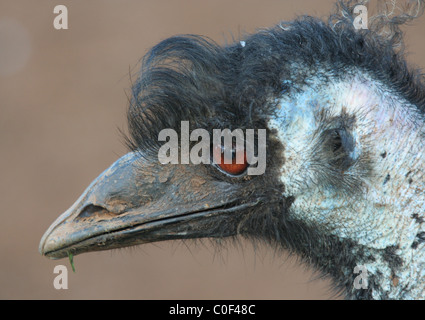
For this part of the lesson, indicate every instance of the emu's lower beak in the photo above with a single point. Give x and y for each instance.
(135, 201)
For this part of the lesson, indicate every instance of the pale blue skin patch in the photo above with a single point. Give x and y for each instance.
(380, 215)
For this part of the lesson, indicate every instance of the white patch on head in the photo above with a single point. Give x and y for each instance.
(388, 130)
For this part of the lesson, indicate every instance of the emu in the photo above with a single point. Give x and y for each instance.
(344, 181)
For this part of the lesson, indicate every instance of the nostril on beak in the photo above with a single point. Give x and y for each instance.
(91, 212)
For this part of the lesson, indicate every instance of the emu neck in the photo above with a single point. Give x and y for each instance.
(375, 218)
(391, 273)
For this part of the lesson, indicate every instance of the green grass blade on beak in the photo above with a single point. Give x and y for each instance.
(71, 261)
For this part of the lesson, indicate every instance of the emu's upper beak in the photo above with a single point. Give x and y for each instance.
(136, 201)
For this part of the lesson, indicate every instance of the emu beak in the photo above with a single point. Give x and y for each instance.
(136, 201)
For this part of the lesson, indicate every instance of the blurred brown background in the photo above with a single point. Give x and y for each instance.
(62, 100)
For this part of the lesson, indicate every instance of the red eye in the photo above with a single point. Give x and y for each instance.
(232, 168)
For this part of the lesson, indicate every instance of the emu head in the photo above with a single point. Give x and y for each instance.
(343, 185)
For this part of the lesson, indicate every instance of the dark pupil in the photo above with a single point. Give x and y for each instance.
(233, 153)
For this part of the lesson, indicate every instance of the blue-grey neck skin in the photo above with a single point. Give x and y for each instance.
(377, 201)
